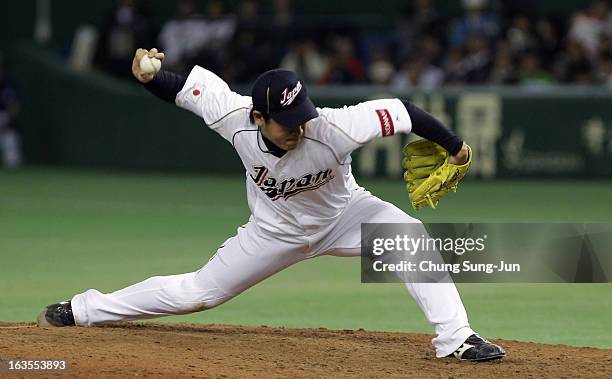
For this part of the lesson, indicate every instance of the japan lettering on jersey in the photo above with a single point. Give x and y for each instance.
(289, 187)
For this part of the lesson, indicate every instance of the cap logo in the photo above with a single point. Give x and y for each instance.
(289, 96)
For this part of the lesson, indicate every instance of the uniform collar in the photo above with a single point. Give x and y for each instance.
(271, 147)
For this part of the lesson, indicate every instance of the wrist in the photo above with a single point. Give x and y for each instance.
(462, 156)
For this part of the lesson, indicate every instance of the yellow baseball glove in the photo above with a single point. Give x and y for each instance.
(429, 175)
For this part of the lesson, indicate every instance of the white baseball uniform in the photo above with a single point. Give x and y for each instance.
(303, 204)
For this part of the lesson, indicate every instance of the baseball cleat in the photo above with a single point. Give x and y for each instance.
(477, 349)
(56, 315)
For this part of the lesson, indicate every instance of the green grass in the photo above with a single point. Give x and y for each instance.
(64, 231)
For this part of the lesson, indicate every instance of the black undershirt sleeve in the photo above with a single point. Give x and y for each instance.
(165, 85)
(426, 126)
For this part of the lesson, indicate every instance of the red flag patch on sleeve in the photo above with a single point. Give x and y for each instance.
(386, 122)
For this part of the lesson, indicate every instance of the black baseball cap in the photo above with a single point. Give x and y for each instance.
(281, 95)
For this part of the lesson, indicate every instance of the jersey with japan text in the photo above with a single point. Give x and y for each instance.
(308, 187)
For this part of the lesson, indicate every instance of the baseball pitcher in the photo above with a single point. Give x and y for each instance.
(303, 198)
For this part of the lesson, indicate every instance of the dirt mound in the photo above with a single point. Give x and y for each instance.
(188, 350)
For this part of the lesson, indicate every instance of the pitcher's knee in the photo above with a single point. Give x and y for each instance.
(215, 301)
(201, 305)
(192, 304)
(198, 295)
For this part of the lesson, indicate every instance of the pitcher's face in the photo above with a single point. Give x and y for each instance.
(283, 137)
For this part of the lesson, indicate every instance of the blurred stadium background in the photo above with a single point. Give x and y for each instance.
(104, 185)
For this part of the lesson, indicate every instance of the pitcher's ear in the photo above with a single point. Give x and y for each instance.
(259, 118)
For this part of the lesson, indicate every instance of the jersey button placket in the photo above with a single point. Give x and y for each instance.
(282, 162)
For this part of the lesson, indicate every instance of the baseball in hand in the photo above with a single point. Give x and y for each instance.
(149, 65)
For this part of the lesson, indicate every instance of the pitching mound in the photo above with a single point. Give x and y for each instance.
(188, 350)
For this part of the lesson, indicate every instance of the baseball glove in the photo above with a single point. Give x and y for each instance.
(429, 174)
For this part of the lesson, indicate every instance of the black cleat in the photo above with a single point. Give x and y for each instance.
(477, 349)
(56, 315)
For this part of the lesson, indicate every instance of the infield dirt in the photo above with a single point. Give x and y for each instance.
(219, 351)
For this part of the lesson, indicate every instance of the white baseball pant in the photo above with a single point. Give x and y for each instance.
(251, 256)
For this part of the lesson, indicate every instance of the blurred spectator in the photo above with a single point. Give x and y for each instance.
(520, 35)
(283, 27)
(191, 38)
(304, 58)
(219, 28)
(605, 73)
(9, 109)
(589, 26)
(429, 46)
(249, 49)
(420, 19)
(127, 28)
(283, 14)
(418, 73)
(453, 69)
(477, 21)
(471, 66)
(344, 67)
(547, 40)
(477, 60)
(182, 37)
(262, 41)
(381, 70)
(605, 46)
(503, 71)
(531, 73)
(573, 66)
